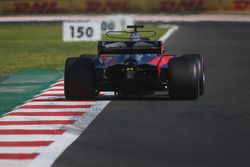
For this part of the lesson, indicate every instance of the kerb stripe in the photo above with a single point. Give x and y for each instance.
(24, 143)
(52, 95)
(48, 122)
(46, 114)
(18, 156)
(54, 106)
(31, 132)
(59, 84)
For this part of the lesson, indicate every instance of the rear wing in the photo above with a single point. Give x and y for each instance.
(129, 47)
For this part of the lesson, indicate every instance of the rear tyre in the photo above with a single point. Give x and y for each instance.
(201, 68)
(183, 79)
(79, 78)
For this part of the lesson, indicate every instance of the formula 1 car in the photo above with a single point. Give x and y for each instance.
(137, 66)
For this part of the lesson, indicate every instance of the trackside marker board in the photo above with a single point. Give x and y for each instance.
(116, 23)
(81, 31)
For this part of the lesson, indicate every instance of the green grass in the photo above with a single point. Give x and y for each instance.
(40, 46)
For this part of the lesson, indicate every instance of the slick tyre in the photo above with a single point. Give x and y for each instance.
(183, 79)
(201, 68)
(79, 78)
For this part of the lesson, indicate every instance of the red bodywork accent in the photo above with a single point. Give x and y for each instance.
(160, 61)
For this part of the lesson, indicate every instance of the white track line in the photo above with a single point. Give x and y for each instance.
(52, 92)
(66, 103)
(22, 150)
(48, 97)
(48, 156)
(55, 87)
(16, 163)
(17, 138)
(39, 118)
(62, 92)
(37, 127)
(60, 82)
(172, 30)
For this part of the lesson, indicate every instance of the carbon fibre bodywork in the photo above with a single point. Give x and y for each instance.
(131, 75)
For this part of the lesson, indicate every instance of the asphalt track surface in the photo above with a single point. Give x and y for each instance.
(213, 131)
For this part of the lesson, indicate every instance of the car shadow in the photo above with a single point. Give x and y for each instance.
(132, 98)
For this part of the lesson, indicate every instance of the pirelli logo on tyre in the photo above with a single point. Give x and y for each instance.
(122, 6)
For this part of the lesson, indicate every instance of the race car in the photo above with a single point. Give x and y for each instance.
(136, 66)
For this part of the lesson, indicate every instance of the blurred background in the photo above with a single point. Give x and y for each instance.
(31, 30)
(36, 37)
(23, 7)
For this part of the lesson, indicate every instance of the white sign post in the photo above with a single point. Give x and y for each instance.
(116, 23)
(81, 31)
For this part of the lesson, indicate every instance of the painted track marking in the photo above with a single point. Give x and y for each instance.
(172, 30)
(42, 128)
(25, 143)
(46, 122)
(20, 156)
(47, 114)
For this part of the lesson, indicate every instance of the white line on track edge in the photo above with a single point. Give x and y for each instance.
(172, 30)
(49, 155)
